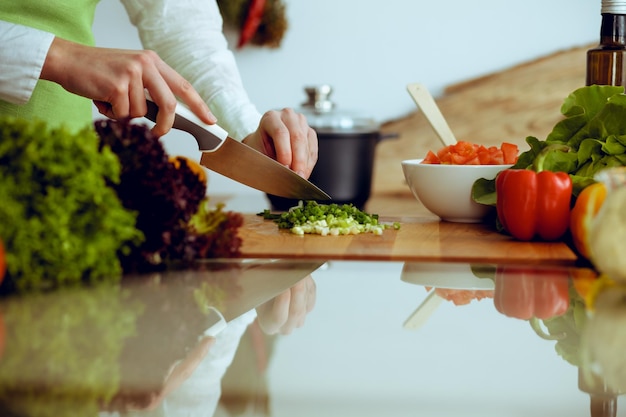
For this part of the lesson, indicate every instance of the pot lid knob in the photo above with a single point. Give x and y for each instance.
(322, 115)
(318, 98)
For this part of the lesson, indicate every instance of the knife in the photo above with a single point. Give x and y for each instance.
(240, 162)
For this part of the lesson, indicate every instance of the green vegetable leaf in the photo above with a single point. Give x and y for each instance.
(484, 192)
(594, 129)
(59, 221)
(579, 108)
(613, 146)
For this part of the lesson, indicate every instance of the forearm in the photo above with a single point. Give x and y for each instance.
(188, 36)
(23, 52)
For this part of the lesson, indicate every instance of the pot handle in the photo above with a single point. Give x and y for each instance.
(386, 136)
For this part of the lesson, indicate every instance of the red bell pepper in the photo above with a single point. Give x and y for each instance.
(534, 203)
(531, 292)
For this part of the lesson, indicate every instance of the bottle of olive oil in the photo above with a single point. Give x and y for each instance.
(606, 63)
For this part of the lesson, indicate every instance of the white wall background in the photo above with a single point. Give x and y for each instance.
(369, 51)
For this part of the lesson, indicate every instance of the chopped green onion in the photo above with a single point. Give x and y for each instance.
(327, 220)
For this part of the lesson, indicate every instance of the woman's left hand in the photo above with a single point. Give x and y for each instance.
(286, 137)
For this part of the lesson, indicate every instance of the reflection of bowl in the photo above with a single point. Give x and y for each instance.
(446, 275)
(455, 282)
(446, 189)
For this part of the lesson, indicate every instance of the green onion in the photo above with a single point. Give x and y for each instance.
(333, 219)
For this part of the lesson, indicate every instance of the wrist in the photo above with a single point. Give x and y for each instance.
(53, 66)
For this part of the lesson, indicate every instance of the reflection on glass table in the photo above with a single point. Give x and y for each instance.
(153, 344)
(535, 341)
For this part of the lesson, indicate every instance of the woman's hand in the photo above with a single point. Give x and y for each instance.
(288, 310)
(286, 137)
(115, 80)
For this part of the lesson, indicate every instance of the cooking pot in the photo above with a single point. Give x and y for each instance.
(347, 144)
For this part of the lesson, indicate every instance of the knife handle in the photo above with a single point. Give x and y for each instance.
(214, 129)
(187, 121)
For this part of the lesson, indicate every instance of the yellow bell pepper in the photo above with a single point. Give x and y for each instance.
(585, 209)
(195, 167)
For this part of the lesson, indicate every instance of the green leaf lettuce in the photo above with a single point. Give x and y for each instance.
(594, 130)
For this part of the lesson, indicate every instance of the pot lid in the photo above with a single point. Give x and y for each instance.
(323, 116)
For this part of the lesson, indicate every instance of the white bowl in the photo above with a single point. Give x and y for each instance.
(446, 190)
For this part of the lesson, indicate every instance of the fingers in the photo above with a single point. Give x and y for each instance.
(289, 309)
(276, 313)
(104, 108)
(289, 139)
(165, 85)
(301, 304)
(297, 308)
(311, 289)
(116, 80)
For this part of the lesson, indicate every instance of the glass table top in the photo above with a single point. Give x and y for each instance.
(310, 338)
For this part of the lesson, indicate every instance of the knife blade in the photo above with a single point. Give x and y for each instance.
(263, 280)
(258, 281)
(240, 162)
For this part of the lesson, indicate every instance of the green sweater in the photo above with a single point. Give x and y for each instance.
(68, 19)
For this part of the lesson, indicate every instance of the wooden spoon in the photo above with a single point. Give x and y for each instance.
(426, 103)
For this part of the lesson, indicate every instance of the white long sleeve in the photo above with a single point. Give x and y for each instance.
(199, 395)
(23, 51)
(187, 34)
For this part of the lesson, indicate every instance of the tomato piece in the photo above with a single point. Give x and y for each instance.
(496, 157)
(483, 156)
(445, 158)
(473, 161)
(458, 159)
(467, 153)
(431, 158)
(444, 152)
(466, 149)
(510, 151)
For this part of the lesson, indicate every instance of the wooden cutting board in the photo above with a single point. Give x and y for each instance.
(419, 239)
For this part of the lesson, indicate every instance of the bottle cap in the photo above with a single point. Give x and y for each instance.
(614, 6)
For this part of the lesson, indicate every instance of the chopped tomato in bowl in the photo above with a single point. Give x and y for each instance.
(466, 153)
(443, 180)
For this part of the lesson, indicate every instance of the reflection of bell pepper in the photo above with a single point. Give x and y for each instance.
(525, 292)
(587, 206)
(533, 203)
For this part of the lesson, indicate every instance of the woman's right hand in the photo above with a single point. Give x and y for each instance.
(115, 80)
(288, 310)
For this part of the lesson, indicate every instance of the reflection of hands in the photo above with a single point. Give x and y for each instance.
(179, 373)
(286, 137)
(115, 80)
(288, 310)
